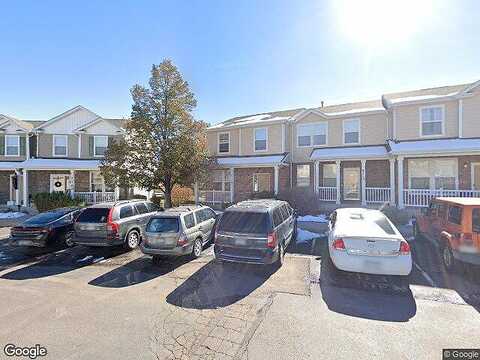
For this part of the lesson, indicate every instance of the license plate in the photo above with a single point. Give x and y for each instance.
(467, 249)
(89, 227)
(25, 242)
(240, 241)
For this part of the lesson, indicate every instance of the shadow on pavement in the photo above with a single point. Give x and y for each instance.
(373, 297)
(63, 262)
(138, 271)
(218, 285)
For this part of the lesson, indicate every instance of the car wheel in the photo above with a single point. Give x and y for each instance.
(447, 258)
(67, 238)
(133, 239)
(197, 248)
(156, 259)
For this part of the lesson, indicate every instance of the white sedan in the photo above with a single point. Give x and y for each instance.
(366, 241)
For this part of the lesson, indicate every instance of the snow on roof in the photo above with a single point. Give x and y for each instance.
(254, 119)
(435, 146)
(60, 164)
(420, 98)
(10, 165)
(352, 152)
(251, 160)
(355, 111)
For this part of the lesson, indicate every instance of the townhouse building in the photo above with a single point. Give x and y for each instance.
(403, 149)
(59, 154)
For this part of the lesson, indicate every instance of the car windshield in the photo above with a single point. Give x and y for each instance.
(47, 217)
(163, 225)
(94, 215)
(244, 222)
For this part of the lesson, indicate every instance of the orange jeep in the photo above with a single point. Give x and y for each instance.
(455, 224)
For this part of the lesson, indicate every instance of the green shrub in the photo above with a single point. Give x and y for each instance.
(49, 201)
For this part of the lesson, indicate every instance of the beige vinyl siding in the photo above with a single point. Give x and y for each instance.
(45, 145)
(373, 131)
(407, 120)
(85, 145)
(471, 116)
(274, 140)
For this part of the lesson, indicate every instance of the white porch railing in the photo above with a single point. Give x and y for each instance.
(327, 193)
(377, 195)
(214, 196)
(422, 197)
(95, 197)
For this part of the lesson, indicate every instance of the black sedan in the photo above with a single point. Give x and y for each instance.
(54, 227)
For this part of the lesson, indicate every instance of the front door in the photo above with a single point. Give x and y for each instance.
(19, 186)
(476, 176)
(59, 182)
(351, 183)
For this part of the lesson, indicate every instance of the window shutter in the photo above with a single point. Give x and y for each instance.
(2, 145)
(22, 145)
(90, 146)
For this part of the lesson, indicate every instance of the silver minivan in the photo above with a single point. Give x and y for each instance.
(179, 231)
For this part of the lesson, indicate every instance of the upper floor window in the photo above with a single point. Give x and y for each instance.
(431, 120)
(60, 143)
(100, 144)
(260, 139)
(12, 145)
(224, 142)
(312, 134)
(351, 131)
(303, 175)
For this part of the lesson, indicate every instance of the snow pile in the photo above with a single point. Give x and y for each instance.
(322, 218)
(11, 215)
(304, 236)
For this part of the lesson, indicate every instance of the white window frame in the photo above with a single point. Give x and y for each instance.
(311, 136)
(95, 137)
(420, 130)
(309, 176)
(432, 178)
(359, 132)
(66, 145)
(323, 174)
(266, 139)
(229, 142)
(472, 174)
(91, 181)
(18, 145)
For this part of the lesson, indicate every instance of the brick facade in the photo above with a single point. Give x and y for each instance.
(244, 181)
(5, 186)
(82, 181)
(377, 173)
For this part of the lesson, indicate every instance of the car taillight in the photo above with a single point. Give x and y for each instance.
(182, 240)
(338, 244)
(272, 240)
(404, 248)
(112, 227)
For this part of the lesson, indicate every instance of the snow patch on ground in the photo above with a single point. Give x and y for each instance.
(304, 236)
(322, 218)
(11, 215)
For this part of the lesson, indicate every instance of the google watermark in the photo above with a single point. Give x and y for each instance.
(32, 352)
(461, 354)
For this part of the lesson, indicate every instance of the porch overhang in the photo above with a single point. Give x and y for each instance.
(454, 146)
(10, 165)
(252, 161)
(59, 164)
(350, 153)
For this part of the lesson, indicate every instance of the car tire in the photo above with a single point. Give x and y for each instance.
(281, 255)
(132, 240)
(197, 248)
(447, 258)
(156, 259)
(67, 238)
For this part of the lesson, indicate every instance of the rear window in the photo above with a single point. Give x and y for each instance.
(476, 220)
(47, 217)
(455, 215)
(94, 215)
(383, 223)
(163, 225)
(244, 222)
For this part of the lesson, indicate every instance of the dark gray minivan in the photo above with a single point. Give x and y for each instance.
(255, 231)
(115, 223)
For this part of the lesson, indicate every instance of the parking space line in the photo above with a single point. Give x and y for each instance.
(425, 275)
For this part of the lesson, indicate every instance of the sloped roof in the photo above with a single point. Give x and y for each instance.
(442, 90)
(238, 121)
(21, 123)
(353, 107)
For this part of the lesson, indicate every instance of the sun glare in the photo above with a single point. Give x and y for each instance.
(380, 23)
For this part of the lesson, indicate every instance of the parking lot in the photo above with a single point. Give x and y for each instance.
(83, 303)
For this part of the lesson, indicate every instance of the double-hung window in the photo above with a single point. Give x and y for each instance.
(329, 175)
(100, 144)
(433, 173)
(60, 145)
(303, 175)
(260, 141)
(431, 120)
(312, 134)
(224, 142)
(12, 145)
(351, 131)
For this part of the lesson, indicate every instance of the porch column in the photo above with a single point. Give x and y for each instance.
(117, 192)
(232, 184)
(27, 146)
(363, 183)
(17, 190)
(392, 181)
(338, 180)
(25, 187)
(400, 182)
(195, 192)
(72, 183)
(316, 177)
(275, 179)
